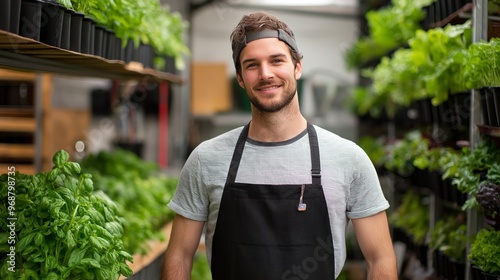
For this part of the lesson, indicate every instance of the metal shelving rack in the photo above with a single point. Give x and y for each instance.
(479, 33)
(24, 54)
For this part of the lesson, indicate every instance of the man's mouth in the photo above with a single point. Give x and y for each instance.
(267, 88)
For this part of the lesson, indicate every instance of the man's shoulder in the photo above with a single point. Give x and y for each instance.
(224, 140)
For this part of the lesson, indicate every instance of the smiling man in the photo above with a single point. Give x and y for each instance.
(275, 196)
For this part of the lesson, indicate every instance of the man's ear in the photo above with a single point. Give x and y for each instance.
(240, 80)
(298, 70)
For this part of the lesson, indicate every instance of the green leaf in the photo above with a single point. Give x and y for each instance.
(90, 262)
(70, 240)
(26, 241)
(51, 276)
(60, 158)
(39, 238)
(76, 256)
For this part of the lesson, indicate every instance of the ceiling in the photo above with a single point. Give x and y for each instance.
(342, 8)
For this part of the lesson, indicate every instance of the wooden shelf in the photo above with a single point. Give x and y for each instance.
(21, 168)
(489, 131)
(6, 75)
(17, 150)
(157, 248)
(23, 112)
(20, 53)
(16, 124)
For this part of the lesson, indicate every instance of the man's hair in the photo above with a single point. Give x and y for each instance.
(256, 22)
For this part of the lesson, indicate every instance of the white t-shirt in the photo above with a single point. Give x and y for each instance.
(350, 182)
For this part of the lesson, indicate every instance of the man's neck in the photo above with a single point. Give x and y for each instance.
(276, 127)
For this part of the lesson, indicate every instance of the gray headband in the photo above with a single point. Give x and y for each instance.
(267, 33)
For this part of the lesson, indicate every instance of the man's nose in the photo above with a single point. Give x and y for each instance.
(265, 71)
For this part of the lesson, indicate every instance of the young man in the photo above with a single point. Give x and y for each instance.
(276, 195)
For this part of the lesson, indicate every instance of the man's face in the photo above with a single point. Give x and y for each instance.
(268, 74)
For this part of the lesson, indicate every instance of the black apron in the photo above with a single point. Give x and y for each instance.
(273, 232)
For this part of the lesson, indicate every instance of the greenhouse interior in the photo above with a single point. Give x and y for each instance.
(116, 118)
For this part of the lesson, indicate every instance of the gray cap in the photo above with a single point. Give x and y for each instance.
(267, 33)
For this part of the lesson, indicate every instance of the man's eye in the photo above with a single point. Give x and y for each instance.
(251, 65)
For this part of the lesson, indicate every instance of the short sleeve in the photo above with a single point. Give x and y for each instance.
(190, 199)
(366, 197)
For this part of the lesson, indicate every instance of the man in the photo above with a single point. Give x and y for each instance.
(276, 195)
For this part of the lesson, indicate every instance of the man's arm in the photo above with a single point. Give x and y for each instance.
(375, 242)
(182, 246)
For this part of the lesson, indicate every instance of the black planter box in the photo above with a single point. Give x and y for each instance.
(15, 15)
(31, 19)
(51, 23)
(490, 105)
(76, 31)
(66, 30)
(5, 15)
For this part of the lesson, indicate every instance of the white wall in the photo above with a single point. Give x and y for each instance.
(321, 39)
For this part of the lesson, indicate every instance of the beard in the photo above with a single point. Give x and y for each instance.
(266, 107)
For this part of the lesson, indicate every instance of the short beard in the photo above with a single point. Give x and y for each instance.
(276, 106)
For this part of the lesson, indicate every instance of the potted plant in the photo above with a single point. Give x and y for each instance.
(485, 252)
(488, 196)
(469, 169)
(448, 242)
(412, 216)
(63, 229)
(481, 72)
(427, 70)
(389, 28)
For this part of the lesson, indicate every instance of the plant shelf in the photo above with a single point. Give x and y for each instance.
(492, 131)
(156, 249)
(16, 124)
(21, 53)
(17, 150)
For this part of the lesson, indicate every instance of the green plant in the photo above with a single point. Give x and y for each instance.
(465, 169)
(488, 195)
(63, 230)
(450, 237)
(485, 252)
(389, 27)
(140, 191)
(363, 102)
(142, 21)
(481, 64)
(401, 155)
(412, 215)
(65, 3)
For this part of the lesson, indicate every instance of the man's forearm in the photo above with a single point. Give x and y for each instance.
(383, 270)
(176, 269)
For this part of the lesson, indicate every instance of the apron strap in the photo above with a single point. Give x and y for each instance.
(238, 151)
(315, 161)
(240, 145)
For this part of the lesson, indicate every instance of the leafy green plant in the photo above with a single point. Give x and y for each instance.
(465, 169)
(140, 190)
(63, 230)
(401, 155)
(482, 63)
(389, 28)
(66, 3)
(412, 215)
(450, 237)
(142, 21)
(488, 195)
(485, 252)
